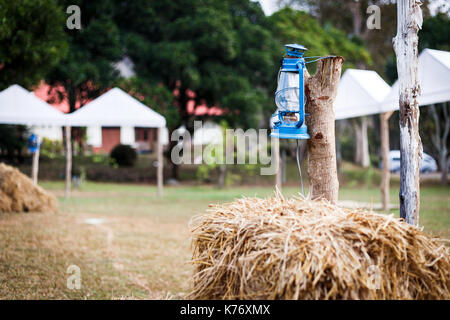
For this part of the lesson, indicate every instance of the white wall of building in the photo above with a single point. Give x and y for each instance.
(127, 135)
(49, 132)
(94, 136)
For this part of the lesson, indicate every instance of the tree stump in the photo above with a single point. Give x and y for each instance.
(321, 90)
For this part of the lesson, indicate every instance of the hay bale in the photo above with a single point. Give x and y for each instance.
(280, 248)
(18, 193)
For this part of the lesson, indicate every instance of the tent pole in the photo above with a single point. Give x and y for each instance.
(35, 165)
(68, 160)
(159, 171)
(385, 177)
(276, 158)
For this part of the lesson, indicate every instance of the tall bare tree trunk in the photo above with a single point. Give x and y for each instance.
(409, 21)
(362, 156)
(321, 90)
(439, 139)
(68, 161)
(386, 174)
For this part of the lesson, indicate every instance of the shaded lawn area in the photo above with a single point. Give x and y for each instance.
(142, 249)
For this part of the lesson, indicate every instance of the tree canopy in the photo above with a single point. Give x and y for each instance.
(220, 50)
(290, 25)
(87, 69)
(31, 40)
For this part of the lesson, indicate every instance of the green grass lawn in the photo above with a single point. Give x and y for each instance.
(142, 249)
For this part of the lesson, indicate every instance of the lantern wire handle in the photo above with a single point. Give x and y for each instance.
(299, 168)
(318, 58)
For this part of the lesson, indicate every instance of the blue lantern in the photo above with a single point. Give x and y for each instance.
(33, 143)
(289, 97)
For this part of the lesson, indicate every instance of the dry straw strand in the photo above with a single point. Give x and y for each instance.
(18, 193)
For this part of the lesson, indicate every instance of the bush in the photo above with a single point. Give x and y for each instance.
(51, 148)
(124, 155)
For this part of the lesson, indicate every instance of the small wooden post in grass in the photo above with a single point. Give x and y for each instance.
(35, 163)
(68, 160)
(159, 170)
(386, 175)
(409, 21)
(321, 90)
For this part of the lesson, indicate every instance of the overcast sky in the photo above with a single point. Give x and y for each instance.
(270, 6)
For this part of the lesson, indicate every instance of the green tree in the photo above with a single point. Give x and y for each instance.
(350, 16)
(87, 70)
(221, 50)
(13, 140)
(290, 25)
(32, 40)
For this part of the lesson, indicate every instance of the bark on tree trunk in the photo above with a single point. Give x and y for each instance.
(227, 156)
(355, 8)
(321, 90)
(385, 177)
(68, 161)
(409, 21)
(440, 141)
(362, 156)
(222, 176)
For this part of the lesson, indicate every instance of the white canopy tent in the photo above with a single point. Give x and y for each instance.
(21, 107)
(434, 79)
(360, 93)
(18, 106)
(117, 108)
(365, 93)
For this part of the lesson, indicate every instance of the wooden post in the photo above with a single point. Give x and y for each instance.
(35, 164)
(159, 170)
(385, 177)
(68, 161)
(361, 156)
(276, 159)
(283, 166)
(321, 90)
(409, 21)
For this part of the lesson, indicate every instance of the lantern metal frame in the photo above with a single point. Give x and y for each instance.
(283, 129)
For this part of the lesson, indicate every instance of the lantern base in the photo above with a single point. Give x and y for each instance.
(285, 131)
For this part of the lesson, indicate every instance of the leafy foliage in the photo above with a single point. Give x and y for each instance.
(435, 33)
(31, 40)
(297, 26)
(87, 70)
(13, 140)
(221, 50)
